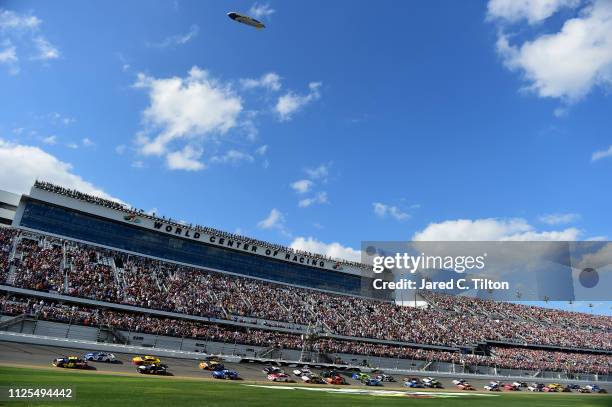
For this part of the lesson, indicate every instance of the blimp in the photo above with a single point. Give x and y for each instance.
(241, 18)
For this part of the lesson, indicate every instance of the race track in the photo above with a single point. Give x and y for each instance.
(14, 354)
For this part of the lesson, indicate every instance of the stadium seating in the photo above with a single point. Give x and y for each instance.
(45, 263)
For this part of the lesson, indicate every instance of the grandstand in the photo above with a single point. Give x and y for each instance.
(74, 264)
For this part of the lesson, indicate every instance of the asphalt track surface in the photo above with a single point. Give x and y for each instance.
(41, 356)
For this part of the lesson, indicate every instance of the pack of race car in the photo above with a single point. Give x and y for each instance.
(70, 362)
(100, 357)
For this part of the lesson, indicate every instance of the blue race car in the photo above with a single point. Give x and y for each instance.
(225, 374)
(100, 357)
(414, 383)
(372, 382)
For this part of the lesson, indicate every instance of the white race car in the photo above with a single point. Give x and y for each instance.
(458, 381)
(302, 372)
(492, 386)
(278, 377)
(100, 357)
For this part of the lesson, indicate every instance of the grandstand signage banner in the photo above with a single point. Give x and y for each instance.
(502, 271)
(236, 244)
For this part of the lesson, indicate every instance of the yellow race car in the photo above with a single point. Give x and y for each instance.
(70, 362)
(146, 360)
(210, 365)
(555, 387)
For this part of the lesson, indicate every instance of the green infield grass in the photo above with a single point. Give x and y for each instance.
(97, 389)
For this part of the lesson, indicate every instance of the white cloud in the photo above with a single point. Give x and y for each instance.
(138, 164)
(87, 142)
(275, 220)
(120, 149)
(50, 140)
(261, 10)
(262, 150)
(530, 10)
(335, 250)
(559, 218)
(302, 186)
(319, 198)
(270, 81)
(24, 30)
(46, 50)
(320, 172)
(10, 21)
(21, 165)
(290, 102)
(233, 157)
(191, 108)
(72, 146)
(570, 63)
(185, 159)
(598, 155)
(382, 210)
(8, 56)
(174, 40)
(491, 229)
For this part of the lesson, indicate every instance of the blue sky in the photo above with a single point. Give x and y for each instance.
(339, 122)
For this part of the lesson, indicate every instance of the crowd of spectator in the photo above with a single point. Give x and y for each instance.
(84, 271)
(498, 309)
(38, 265)
(6, 244)
(514, 358)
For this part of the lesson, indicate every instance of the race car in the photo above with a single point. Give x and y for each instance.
(302, 372)
(225, 374)
(584, 390)
(594, 388)
(520, 384)
(278, 377)
(313, 379)
(385, 378)
(360, 376)
(211, 365)
(458, 381)
(272, 369)
(492, 386)
(536, 387)
(337, 380)
(465, 386)
(100, 357)
(153, 368)
(372, 382)
(432, 383)
(510, 387)
(146, 360)
(555, 387)
(413, 382)
(574, 386)
(70, 362)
